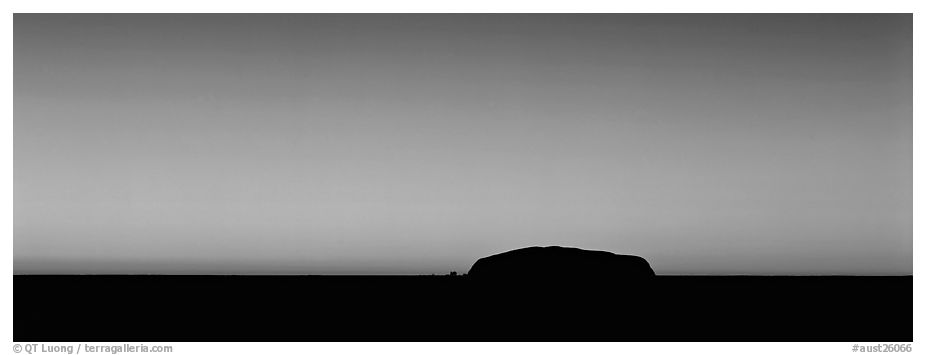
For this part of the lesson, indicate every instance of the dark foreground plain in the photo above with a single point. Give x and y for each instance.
(460, 308)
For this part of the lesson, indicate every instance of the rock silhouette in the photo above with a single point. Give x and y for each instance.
(561, 264)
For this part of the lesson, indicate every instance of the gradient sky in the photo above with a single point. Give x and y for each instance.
(416, 144)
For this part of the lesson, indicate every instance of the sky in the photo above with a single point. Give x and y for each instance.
(418, 143)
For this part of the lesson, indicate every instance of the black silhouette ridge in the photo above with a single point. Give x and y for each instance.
(561, 264)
